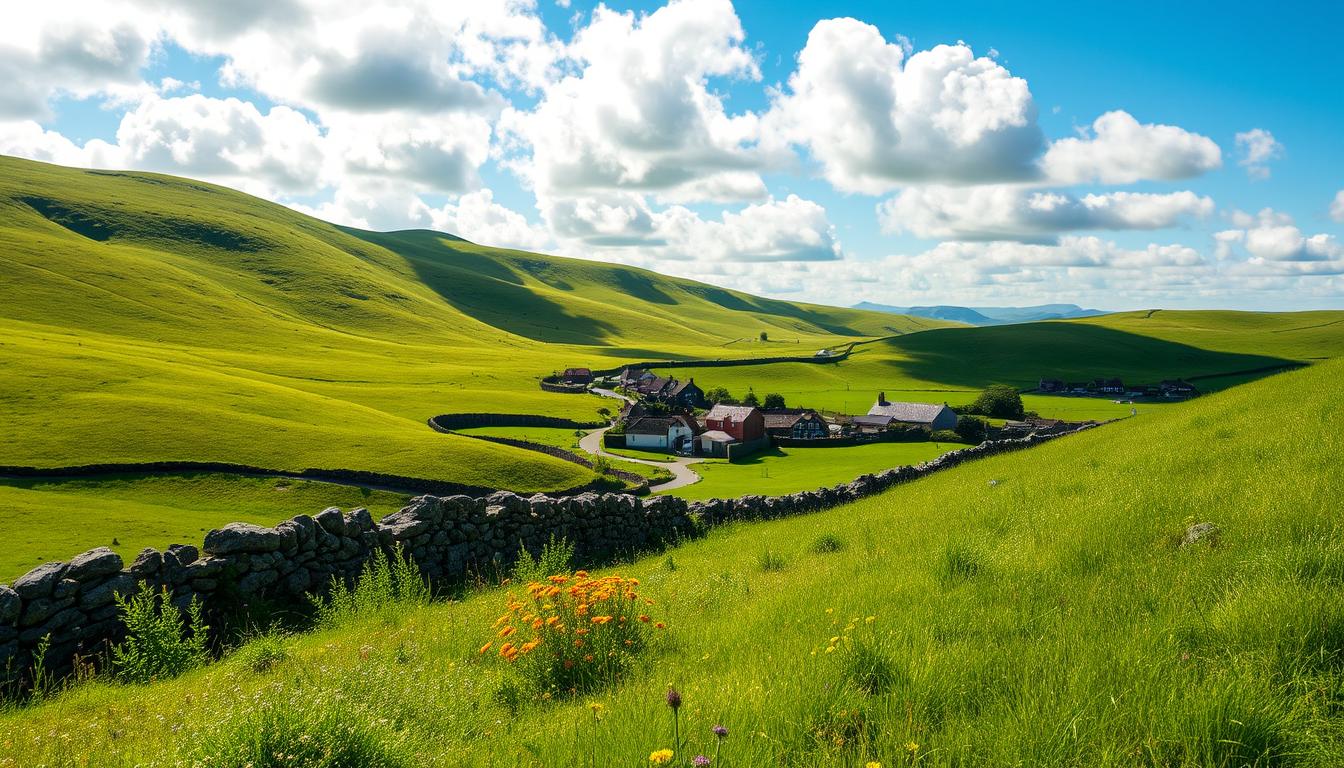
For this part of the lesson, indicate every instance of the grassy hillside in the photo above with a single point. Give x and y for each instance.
(1031, 609)
(48, 520)
(952, 365)
(148, 317)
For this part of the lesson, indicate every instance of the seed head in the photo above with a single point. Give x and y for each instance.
(673, 699)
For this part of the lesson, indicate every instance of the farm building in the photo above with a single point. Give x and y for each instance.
(796, 423)
(929, 415)
(742, 424)
(633, 377)
(1051, 385)
(1178, 388)
(661, 433)
(577, 376)
(686, 394)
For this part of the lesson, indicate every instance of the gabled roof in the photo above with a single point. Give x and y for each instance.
(681, 387)
(909, 413)
(719, 436)
(785, 418)
(734, 412)
(651, 425)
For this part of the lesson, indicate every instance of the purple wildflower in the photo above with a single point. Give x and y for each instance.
(720, 731)
(673, 699)
(700, 761)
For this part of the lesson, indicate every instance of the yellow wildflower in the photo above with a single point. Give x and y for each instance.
(660, 757)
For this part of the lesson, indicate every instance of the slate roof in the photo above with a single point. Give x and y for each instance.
(734, 412)
(909, 413)
(650, 425)
(719, 436)
(785, 418)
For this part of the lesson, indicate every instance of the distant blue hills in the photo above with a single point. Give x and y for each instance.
(988, 315)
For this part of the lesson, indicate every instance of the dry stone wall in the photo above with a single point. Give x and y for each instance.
(73, 605)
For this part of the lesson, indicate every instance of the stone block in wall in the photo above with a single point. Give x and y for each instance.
(10, 603)
(184, 554)
(147, 563)
(257, 581)
(106, 593)
(359, 520)
(331, 520)
(65, 588)
(242, 537)
(36, 612)
(40, 581)
(93, 564)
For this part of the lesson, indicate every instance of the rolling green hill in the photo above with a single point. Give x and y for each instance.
(1032, 609)
(147, 317)
(1217, 348)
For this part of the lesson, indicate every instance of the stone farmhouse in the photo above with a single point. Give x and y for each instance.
(884, 413)
(796, 423)
(577, 376)
(669, 433)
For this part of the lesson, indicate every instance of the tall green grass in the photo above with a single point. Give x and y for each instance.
(1046, 618)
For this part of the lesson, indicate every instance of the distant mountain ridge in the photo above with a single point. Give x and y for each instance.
(988, 315)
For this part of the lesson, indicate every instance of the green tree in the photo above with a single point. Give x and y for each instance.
(999, 401)
(718, 395)
(973, 429)
(774, 400)
(765, 336)
(751, 399)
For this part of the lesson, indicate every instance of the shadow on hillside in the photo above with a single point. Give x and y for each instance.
(1075, 352)
(729, 300)
(487, 290)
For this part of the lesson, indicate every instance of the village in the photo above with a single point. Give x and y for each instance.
(667, 415)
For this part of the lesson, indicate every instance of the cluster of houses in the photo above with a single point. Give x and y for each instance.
(1169, 388)
(665, 418)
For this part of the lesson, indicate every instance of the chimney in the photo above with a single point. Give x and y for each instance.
(881, 398)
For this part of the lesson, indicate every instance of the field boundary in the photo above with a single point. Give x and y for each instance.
(69, 610)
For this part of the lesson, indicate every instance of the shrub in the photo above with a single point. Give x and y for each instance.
(999, 401)
(718, 395)
(555, 557)
(752, 400)
(972, 429)
(770, 561)
(827, 543)
(581, 633)
(278, 733)
(765, 336)
(264, 652)
(774, 400)
(945, 436)
(385, 586)
(159, 643)
(908, 433)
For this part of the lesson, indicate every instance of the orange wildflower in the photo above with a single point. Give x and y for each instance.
(486, 647)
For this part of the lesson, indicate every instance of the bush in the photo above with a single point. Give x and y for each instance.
(384, 586)
(908, 433)
(752, 400)
(278, 733)
(264, 652)
(555, 557)
(774, 400)
(827, 543)
(159, 643)
(973, 429)
(999, 401)
(945, 436)
(582, 633)
(719, 395)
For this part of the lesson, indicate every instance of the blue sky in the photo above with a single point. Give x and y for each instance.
(1182, 155)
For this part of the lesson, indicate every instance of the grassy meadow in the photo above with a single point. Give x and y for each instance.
(779, 471)
(1028, 609)
(45, 518)
(952, 365)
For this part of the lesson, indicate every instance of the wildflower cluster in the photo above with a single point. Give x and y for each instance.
(574, 633)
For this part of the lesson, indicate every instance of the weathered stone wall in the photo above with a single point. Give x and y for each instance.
(640, 485)
(452, 421)
(449, 537)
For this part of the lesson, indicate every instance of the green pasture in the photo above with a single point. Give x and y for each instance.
(1031, 609)
(56, 518)
(779, 471)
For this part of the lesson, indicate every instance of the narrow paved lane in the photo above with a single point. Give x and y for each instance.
(679, 466)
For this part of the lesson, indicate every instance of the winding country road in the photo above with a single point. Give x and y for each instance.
(679, 466)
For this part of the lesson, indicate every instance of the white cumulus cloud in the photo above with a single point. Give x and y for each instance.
(875, 119)
(1258, 147)
(1015, 213)
(1120, 150)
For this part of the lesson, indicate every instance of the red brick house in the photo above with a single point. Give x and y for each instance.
(743, 422)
